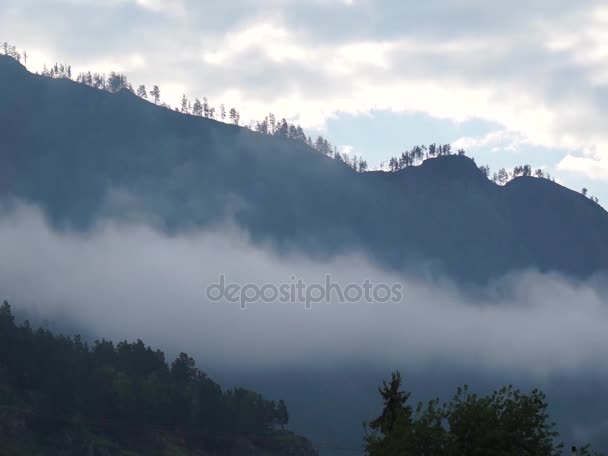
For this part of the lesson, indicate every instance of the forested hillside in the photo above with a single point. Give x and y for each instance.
(60, 395)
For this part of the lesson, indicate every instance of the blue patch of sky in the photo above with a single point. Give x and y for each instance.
(379, 135)
(382, 134)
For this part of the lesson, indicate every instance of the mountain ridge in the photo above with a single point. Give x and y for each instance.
(65, 147)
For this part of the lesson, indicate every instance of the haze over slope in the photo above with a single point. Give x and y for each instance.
(80, 153)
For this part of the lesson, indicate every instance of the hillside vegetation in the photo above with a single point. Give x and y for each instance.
(60, 396)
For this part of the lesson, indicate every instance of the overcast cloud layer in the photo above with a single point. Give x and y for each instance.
(128, 281)
(538, 69)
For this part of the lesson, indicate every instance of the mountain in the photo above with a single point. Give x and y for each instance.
(82, 153)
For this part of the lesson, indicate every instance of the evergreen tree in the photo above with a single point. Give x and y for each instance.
(282, 130)
(205, 107)
(184, 104)
(155, 92)
(115, 82)
(272, 123)
(197, 108)
(234, 116)
(506, 422)
(141, 92)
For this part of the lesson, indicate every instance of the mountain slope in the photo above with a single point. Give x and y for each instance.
(60, 396)
(81, 153)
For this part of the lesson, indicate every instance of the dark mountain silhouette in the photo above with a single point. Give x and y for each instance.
(81, 153)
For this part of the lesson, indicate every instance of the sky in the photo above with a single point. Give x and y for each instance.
(514, 82)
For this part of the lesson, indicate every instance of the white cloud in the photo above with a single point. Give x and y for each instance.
(274, 41)
(128, 280)
(592, 167)
(170, 7)
(346, 149)
(495, 141)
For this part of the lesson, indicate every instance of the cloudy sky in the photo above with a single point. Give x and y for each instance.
(512, 82)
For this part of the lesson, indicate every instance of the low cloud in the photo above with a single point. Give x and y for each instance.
(129, 280)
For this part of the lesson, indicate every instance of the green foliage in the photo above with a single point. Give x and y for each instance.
(504, 423)
(117, 387)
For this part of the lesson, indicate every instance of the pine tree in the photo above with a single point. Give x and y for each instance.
(197, 108)
(205, 107)
(141, 92)
(6, 314)
(155, 92)
(184, 104)
(234, 116)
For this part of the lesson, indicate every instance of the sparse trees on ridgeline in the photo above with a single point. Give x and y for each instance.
(184, 105)
(585, 193)
(501, 177)
(12, 51)
(418, 154)
(58, 71)
(155, 92)
(116, 82)
(197, 108)
(99, 81)
(205, 107)
(323, 145)
(282, 128)
(141, 92)
(234, 116)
